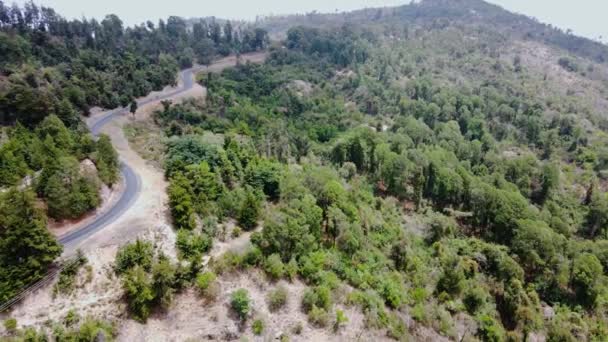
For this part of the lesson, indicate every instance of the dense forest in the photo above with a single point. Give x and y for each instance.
(368, 166)
(52, 71)
(407, 162)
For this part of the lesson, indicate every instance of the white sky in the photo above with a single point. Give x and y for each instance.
(588, 18)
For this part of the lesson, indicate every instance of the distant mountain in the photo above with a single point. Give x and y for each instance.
(440, 13)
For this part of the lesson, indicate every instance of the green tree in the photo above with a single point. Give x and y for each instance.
(163, 279)
(265, 176)
(206, 185)
(52, 126)
(249, 212)
(139, 293)
(107, 160)
(27, 248)
(274, 267)
(586, 278)
(180, 202)
(68, 193)
(139, 253)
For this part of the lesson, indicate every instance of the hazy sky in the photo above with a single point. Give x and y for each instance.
(584, 17)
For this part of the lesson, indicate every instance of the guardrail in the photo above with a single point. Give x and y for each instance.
(49, 277)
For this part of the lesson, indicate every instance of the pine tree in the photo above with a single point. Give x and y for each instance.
(26, 246)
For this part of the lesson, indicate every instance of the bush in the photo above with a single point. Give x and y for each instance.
(240, 303)
(393, 293)
(204, 280)
(452, 280)
(274, 266)
(207, 285)
(181, 202)
(277, 298)
(490, 330)
(228, 262)
(258, 327)
(291, 269)
(192, 245)
(318, 316)
(568, 64)
(71, 318)
(10, 325)
(163, 282)
(67, 277)
(253, 257)
(319, 297)
(397, 329)
(341, 320)
(297, 329)
(474, 299)
(236, 232)
(107, 161)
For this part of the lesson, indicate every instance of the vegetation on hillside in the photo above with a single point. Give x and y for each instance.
(441, 197)
(406, 162)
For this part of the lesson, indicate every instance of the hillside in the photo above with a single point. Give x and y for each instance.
(430, 172)
(439, 13)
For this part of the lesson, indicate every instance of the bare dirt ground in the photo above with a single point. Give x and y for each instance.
(192, 318)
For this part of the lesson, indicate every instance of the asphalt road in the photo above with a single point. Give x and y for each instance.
(131, 179)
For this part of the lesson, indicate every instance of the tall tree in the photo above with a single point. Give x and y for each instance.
(26, 246)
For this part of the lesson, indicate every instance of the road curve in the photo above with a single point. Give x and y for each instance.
(130, 177)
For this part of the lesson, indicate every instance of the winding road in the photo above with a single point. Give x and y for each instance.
(130, 177)
(132, 182)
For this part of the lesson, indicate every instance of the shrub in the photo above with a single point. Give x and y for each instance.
(490, 330)
(474, 298)
(393, 293)
(67, 277)
(71, 318)
(291, 269)
(341, 319)
(236, 232)
(204, 281)
(452, 280)
(253, 257)
(397, 329)
(568, 64)
(318, 316)
(163, 280)
(319, 296)
(10, 325)
(228, 262)
(192, 245)
(277, 298)
(297, 329)
(274, 266)
(207, 285)
(240, 303)
(258, 327)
